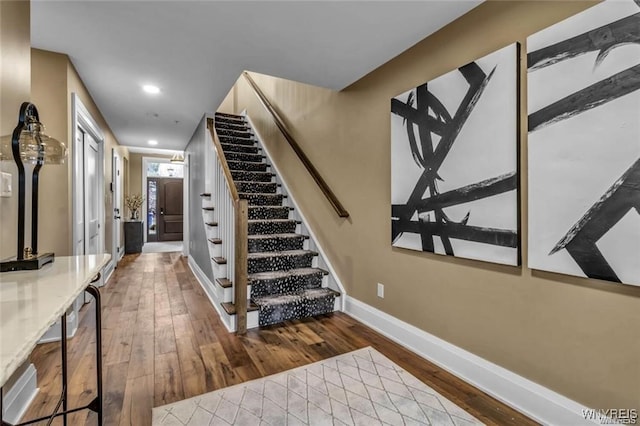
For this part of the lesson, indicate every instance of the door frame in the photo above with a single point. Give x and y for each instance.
(117, 191)
(185, 208)
(145, 162)
(80, 117)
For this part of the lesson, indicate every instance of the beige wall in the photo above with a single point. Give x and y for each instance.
(578, 337)
(54, 80)
(15, 88)
(49, 93)
(135, 171)
(230, 101)
(75, 85)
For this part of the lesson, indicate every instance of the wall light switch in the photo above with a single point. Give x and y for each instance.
(381, 290)
(5, 184)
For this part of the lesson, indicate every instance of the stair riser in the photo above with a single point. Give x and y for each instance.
(237, 141)
(275, 244)
(234, 133)
(240, 156)
(273, 314)
(251, 176)
(246, 167)
(231, 126)
(291, 284)
(266, 213)
(264, 228)
(257, 187)
(263, 199)
(279, 263)
(227, 116)
(239, 148)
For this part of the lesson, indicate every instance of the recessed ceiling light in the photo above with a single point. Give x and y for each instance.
(151, 89)
(152, 142)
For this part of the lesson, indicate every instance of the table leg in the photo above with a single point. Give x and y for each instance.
(96, 405)
(65, 372)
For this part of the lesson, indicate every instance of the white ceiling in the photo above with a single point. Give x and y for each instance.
(195, 50)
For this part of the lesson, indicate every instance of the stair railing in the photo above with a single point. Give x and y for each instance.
(328, 193)
(232, 214)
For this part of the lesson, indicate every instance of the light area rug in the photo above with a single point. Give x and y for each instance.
(162, 247)
(362, 387)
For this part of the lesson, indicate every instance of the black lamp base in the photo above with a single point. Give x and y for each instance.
(33, 263)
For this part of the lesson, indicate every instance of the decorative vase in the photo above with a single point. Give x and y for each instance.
(134, 214)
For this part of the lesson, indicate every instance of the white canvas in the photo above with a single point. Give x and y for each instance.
(578, 155)
(485, 148)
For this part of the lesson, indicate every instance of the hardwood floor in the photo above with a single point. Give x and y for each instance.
(163, 342)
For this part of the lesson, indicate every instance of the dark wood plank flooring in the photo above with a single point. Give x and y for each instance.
(164, 342)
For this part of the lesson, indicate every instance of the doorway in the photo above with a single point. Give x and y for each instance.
(165, 209)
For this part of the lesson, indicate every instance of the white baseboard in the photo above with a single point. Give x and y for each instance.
(17, 399)
(229, 321)
(541, 404)
(55, 331)
(107, 275)
(208, 287)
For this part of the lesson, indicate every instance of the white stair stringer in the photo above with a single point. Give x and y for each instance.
(331, 280)
(217, 294)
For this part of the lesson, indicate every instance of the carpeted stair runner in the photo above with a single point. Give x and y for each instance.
(284, 283)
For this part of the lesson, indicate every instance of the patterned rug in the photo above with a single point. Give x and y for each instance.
(358, 388)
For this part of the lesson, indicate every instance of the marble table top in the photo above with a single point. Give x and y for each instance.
(31, 301)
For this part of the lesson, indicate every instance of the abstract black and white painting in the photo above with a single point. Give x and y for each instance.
(454, 149)
(584, 144)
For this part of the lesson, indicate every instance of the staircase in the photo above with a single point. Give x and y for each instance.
(285, 282)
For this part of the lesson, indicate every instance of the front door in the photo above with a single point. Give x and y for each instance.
(165, 200)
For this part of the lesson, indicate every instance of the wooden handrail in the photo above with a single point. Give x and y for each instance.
(333, 200)
(223, 160)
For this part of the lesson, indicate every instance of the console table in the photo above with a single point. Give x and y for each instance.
(133, 237)
(31, 302)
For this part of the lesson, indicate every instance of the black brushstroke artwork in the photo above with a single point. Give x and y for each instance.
(624, 195)
(424, 116)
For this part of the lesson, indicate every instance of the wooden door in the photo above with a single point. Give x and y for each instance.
(170, 209)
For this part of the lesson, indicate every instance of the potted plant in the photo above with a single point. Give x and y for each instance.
(134, 202)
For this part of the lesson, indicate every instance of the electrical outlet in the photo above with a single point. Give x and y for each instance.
(381, 290)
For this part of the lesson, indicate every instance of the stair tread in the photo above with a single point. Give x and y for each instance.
(255, 194)
(205, 194)
(215, 240)
(226, 114)
(272, 220)
(256, 182)
(224, 282)
(211, 223)
(281, 253)
(271, 207)
(283, 274)
(306, 294)
(238, 144)
(282, 235)
(219, 260)
(208, 208)
(230, 307)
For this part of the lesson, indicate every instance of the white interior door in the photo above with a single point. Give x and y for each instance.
(91, 206)
(79, 192)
